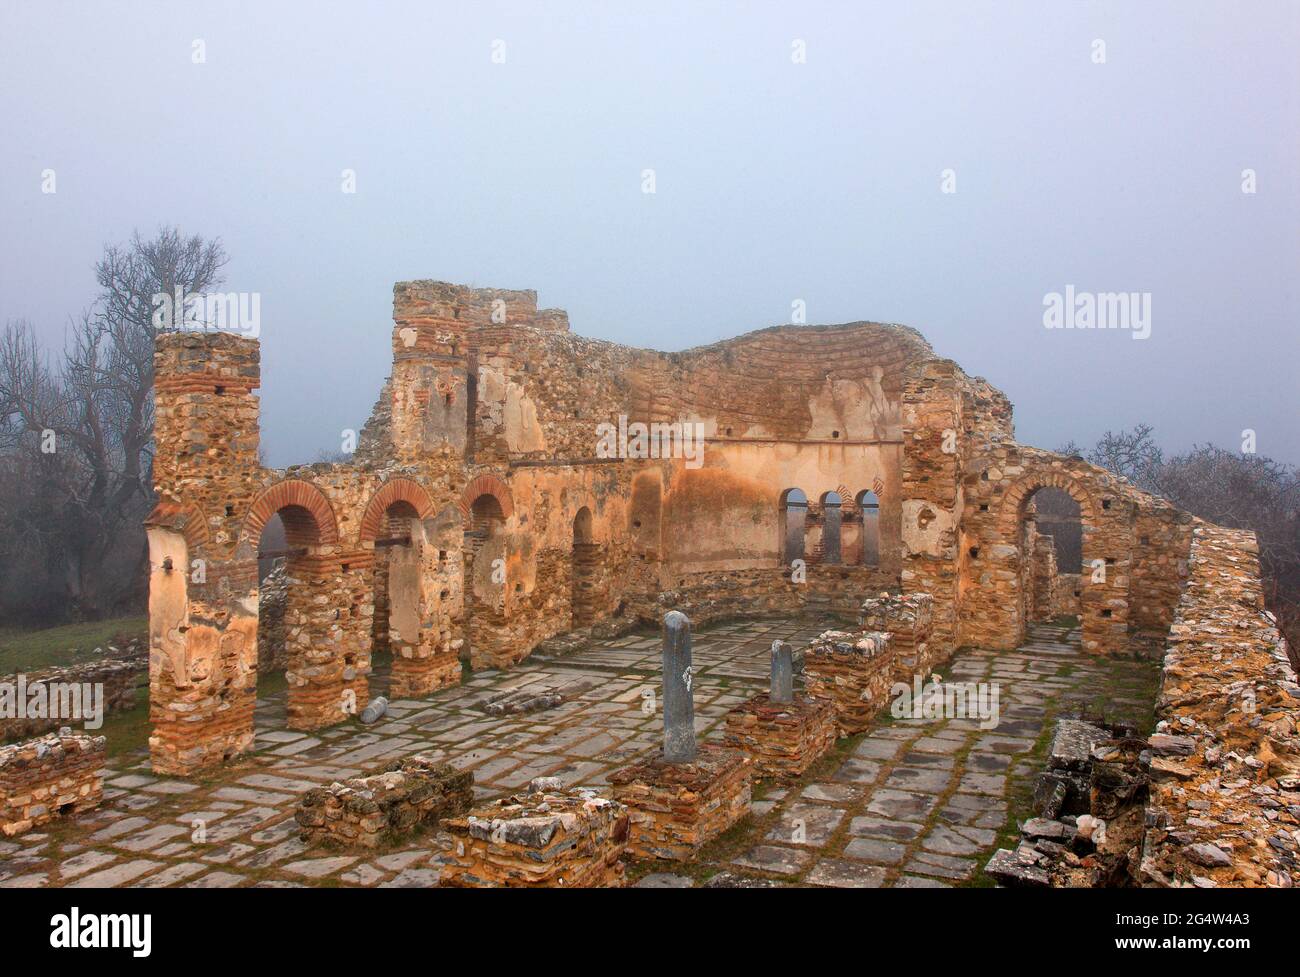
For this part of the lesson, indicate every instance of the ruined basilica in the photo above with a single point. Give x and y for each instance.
(494, 507)
(478, 519)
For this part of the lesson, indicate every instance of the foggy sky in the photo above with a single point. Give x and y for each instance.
(775, 182)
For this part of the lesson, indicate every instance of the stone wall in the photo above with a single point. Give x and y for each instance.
(854, 671)
(550, 837)
(1065, 595)
(480, 501)
(1045, 579)
(49, 777)
(909, 621)
(768, 592)
(1224, 802)
(1127, 535)
(367, 810)
(118, 679)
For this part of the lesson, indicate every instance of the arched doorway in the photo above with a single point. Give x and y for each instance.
(1051, 538)
(395, 628)
(291, 539)
(485, 583)
(584, 561)
(272, 597)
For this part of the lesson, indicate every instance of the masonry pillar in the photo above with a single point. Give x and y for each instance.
(932, 492)
(202, 595)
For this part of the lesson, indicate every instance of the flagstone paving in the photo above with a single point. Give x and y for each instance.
(913, 802)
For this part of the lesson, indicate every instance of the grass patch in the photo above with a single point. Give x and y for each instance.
(68, 644)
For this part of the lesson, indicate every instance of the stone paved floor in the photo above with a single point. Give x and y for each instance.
(911, 803)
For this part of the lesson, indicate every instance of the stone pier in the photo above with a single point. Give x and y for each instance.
(685, 797)
(782, 732)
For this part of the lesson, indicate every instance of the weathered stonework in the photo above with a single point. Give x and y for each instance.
(50, 777)
(1225, 766)
(363, 811)
(481, 514)
(853, 671)
(678, 808)
(782, 739)
(908, 619)
(549, 837)
(116, 678)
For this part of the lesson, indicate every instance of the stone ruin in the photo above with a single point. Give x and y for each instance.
(853, 671)
(690, 793)
(49, 777)
(783, 732)
(116, 678)
(404, 796)
(549, 837)
(1212, 797)
(908, 619)
(517, 483)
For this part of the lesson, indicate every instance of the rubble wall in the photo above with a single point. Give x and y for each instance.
(117, 681)
(1225, 772)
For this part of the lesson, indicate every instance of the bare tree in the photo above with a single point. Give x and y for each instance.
(1133, 454)
(1234, 490)
(76, 442)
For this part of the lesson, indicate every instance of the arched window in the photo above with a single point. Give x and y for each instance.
(582, 605)
(831, 524)
(869, 505)
(794, 514)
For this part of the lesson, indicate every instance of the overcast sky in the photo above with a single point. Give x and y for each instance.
(775, 181)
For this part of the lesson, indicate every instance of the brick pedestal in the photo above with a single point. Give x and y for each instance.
(677, 808)
(782, 740)
(570, 838)
(362, 810)
(48, 777)
(415, 677)
(854, 671)
(908, 618)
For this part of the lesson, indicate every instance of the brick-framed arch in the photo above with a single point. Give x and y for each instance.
(398, 489)
(184, 519)
(291, 492)
(487, 485)
(1014, 499)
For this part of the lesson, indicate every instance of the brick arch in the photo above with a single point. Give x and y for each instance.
(487, 485)
(1015, 497)
(394, 490)
(184, 519)
(291, 492)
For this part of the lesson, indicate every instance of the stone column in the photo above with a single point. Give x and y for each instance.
(679, 707)
(782, 684)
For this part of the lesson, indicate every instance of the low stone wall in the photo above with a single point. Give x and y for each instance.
(677, 808)
(549, 837)
(49, 777)
(1225, 767)
(782, 739)
(406, 794)
(1065, 597)
(909, 620)
(36, 693)
(764, 592)
(854, 671)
